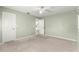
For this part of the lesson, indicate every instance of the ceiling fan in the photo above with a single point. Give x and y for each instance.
(42, 9)
(45, 9)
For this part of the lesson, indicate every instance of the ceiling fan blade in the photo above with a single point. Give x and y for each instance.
(48, 10)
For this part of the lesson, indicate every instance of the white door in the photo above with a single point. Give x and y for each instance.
(40, 26)
(8, 26)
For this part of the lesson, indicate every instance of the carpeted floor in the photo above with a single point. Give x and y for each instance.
(39, 44)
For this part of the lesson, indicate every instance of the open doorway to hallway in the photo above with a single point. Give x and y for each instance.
(39, 26)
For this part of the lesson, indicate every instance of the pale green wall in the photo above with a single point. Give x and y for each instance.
(24, 23)
(78, 32)
(62, 25)
(0, 24)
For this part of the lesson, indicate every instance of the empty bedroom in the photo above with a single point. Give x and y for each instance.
(39, 28)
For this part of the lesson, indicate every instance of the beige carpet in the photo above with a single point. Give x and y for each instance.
(39, 44)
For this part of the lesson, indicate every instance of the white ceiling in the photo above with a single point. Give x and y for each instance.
(46, 10)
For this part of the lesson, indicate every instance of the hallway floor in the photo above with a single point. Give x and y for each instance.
(39, 44)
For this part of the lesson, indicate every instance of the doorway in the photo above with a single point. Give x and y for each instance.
(39, 29)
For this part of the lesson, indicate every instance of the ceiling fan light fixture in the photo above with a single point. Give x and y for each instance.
(40, 12)
(42, 7)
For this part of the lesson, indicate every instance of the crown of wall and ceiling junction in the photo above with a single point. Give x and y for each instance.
(42, 11)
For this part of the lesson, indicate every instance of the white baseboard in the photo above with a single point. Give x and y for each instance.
(62, 38)
(26, 37)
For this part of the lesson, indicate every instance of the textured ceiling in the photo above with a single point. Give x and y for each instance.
(45, 10)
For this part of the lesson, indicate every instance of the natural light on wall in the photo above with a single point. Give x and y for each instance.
(78, 23)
